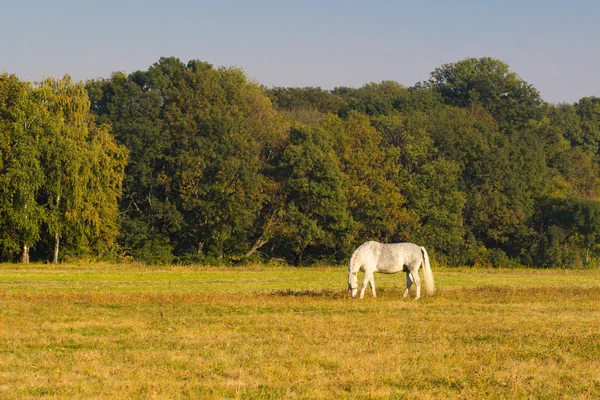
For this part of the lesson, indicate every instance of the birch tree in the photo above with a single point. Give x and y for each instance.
(21, 172)
(83, 169)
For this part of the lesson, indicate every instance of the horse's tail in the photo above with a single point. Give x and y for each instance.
(429, 284)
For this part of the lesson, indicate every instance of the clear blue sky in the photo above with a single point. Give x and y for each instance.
(553, 45)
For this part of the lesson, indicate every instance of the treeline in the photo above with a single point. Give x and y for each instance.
(191, 163)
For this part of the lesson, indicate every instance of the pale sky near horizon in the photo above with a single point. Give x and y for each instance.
(553, 45)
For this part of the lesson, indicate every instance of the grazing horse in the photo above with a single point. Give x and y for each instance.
(388, 259)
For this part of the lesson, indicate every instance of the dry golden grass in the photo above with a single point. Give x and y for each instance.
(133, 332)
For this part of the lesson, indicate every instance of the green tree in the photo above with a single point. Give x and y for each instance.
(83, 169)
(202, 139)
(67, 153)
(149, 219)
(22, 175)
(489, 83)
(579, 173)
(104, 170)
(429, 182)
(307, 105)
(372, 99)
(567, 233)
(316, 220)
(314, 98)
(560, 123)
(225, 133)
(374, 197)
(588, 109)
(502, 176)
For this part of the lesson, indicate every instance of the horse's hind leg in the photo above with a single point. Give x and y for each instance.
(408, 284)
(417, 281)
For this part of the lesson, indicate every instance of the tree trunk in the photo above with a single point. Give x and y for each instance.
(56, 245)
(588, 258)
(56, 236)
(257, 245)
(261, 241)
(25, 257)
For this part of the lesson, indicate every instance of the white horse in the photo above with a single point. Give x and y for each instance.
(388, 259)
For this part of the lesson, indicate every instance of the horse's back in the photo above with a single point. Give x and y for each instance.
(407, 249)
(387, 258)
(394, 257)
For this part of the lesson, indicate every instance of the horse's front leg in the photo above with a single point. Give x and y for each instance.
(372, 283)
(408, 284)
(366, 280)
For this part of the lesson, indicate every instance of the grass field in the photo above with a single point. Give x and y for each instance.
(126, 331)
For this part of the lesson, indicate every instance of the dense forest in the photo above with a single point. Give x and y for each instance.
(190, 163)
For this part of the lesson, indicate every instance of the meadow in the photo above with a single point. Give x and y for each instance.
(132, 331)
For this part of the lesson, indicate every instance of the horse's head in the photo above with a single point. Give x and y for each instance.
(352, 284)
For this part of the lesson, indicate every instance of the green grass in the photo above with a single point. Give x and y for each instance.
(127, 331)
